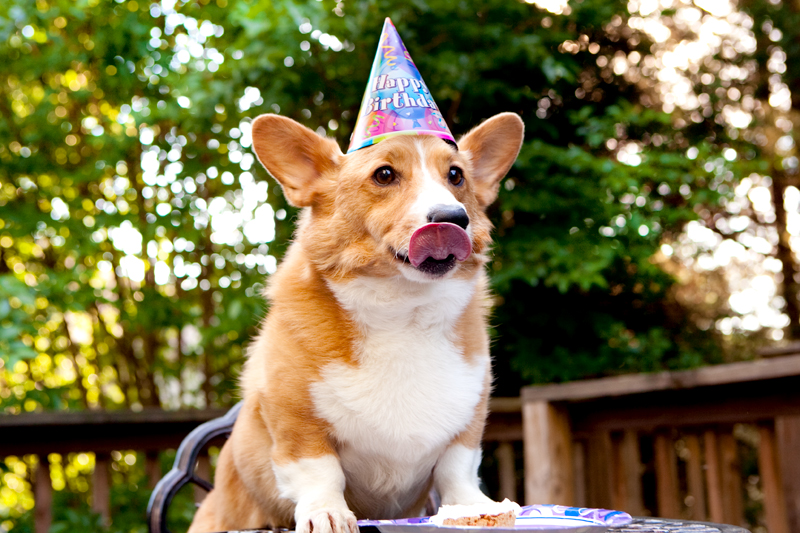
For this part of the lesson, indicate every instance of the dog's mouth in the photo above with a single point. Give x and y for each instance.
(435, 248)
(430, 266)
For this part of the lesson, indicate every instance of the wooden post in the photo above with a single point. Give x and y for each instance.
(43, 496)
(619, 485)
(731, 475)
(599, 482)
(548, 454)
(716, 512)
(774, 503)
(628, 474)
(506, 470)
(694, 475)
(787, 429)
(579, 470)
(666, 476)
(153, 469)
(204, 471)
(101, 490)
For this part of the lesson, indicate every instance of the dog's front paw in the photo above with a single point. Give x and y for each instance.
(330, 520)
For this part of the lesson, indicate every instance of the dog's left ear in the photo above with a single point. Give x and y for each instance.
(493, 147)
(295, 156)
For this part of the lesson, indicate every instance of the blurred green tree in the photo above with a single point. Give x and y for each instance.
(137, 229)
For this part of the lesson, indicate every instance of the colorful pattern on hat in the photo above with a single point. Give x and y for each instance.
(397, 101)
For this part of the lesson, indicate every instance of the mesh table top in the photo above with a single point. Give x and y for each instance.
(639, 525)
(666, 525)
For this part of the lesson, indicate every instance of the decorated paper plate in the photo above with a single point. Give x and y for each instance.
(532, 517)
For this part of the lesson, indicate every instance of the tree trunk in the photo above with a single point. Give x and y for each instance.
(784, 254)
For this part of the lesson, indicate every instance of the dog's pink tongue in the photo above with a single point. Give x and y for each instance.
(438, 241)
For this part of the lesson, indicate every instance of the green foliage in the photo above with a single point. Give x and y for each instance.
(578, 232)
(129, 497)
(126, 122)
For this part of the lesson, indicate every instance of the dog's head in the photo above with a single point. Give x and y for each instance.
(409, 205)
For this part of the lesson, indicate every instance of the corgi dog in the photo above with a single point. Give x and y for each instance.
(368, 383)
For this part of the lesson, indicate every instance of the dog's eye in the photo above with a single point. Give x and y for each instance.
(456, 176)
(384, 176)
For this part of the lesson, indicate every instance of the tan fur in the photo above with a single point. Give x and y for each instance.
(348, 229)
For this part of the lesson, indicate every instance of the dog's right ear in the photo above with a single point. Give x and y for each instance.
(493, 147)
(295, 156)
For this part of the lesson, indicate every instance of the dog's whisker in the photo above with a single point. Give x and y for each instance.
(405, 243)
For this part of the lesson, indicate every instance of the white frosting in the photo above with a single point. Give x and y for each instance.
(460, 511)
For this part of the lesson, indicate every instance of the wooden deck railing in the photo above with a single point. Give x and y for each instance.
(600, 443)
(101, 432)
(153, 431)
(586, 442)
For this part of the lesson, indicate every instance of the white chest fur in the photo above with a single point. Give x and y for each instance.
(411, 390)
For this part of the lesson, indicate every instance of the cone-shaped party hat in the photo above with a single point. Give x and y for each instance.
(397, 101)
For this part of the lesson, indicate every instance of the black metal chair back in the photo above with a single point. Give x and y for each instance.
(183, 470)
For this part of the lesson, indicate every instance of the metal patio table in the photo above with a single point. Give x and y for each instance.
(639, 525)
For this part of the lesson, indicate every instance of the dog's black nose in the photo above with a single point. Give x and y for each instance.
(454, 214)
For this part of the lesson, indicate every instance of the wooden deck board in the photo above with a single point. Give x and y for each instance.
(744, 372)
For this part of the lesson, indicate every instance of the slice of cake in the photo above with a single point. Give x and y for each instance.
(491, 514)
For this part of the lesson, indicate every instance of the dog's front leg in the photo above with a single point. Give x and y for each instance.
(316, 485)
(307, 470)
(456, 476)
